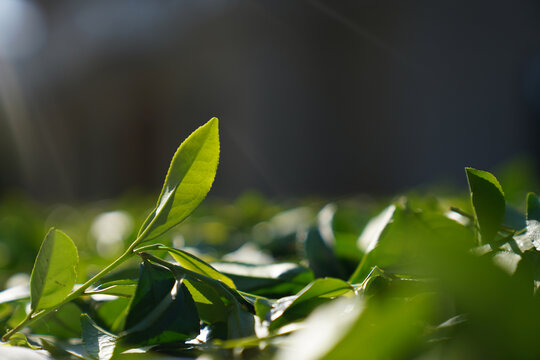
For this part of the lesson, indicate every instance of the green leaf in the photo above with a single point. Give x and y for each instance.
(19, 339)
(63, 323)
(369, 240)
(155, 282)
(162, 310)
(351, 329)
(262, 307)
(210, 302)
(55, 270)
(366, 287)
(239, 311)
(193, 263)
(188, 180)
(59, 351)
(320, 255)
(112, 314)
(325, 327)
(99, 343)
(218, 305)
(291, 308)
(269, 279)
(397, 244)
(241, 323)
(488, 203)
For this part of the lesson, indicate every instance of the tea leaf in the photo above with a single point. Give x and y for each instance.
(162, 310)
(267, 279)
(193, 263)
(291, 308)
(188, 180)
(488, 203)
(320, 256)
(55, 270)
(209, 301)
(99, 343)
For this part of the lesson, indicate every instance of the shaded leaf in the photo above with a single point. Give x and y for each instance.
(162, 310)
(374, 228)
(320, 256)
(113, 313)
(19, 339)
(211, 304)
(403, 239)
(99, 343)
(59, 352)
(241, 323)
(488, 203)
(155, 283)
(239, 311)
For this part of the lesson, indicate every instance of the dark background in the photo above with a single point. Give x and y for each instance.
(314, 97)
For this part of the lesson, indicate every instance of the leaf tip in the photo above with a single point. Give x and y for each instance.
(484, 175)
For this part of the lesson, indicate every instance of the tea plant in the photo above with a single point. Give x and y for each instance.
(426, 278)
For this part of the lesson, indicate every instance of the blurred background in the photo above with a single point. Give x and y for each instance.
(314, 97)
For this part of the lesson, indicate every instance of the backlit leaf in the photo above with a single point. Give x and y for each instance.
(193, 263)
(188, 180)
(55, 270)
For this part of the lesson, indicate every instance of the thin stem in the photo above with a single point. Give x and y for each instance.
(34, 316)
(18, 327)
(462, 213)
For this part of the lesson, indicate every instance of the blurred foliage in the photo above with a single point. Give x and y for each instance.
(411, 277)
